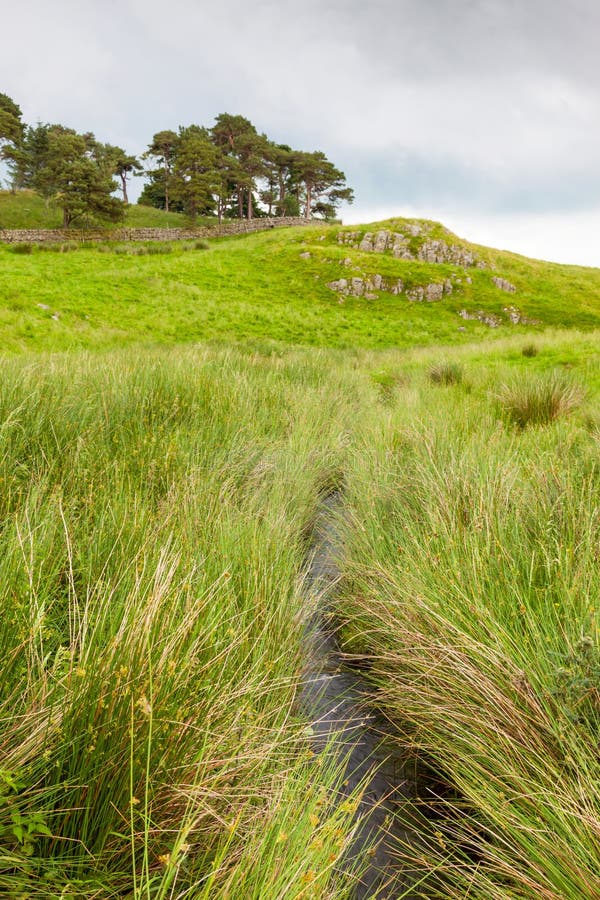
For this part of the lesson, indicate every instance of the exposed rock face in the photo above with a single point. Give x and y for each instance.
(340, 285)
(348, 237)
(382, 239)
(441, 252)
(434, 292)
(400, 249)
(357, 287)
(430, 293)
(489, 319)
(369, 286)
(504, 285)
(516, 317)
(366, 245)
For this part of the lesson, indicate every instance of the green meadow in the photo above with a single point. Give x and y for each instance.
(258, 287)
(171, 418)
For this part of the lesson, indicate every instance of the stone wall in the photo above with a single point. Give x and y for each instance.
(241, 226)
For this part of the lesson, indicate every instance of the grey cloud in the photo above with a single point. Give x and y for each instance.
(490, 104)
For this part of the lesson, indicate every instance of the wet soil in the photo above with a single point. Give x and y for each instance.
(337, 699)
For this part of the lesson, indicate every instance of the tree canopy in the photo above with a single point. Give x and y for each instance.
(227, 170)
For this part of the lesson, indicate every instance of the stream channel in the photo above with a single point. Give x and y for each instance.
(335, 697)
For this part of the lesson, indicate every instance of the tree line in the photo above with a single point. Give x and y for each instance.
(227, 171)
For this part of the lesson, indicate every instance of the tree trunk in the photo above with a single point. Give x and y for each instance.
(281, 197)
(240, 194)
(220, 210)
(308, 200)
(66, 218)
(166, 188)
(250, 203)
(124, 183)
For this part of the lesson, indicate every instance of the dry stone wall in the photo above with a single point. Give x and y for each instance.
(59, 235)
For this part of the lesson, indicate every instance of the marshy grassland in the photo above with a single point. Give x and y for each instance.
(157, 502)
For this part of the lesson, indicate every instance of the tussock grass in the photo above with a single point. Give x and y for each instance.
(539, 400)
(445, 373)
(23, 249)
(470, 594)
(530, 350)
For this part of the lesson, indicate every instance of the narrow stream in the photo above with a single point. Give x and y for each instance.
(335, 698)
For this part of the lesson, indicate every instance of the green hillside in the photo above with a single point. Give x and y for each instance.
(26, 209)
(274, 285)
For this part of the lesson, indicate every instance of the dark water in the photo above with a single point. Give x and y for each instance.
(336, 699)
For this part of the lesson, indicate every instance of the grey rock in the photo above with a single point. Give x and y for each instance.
(348, 237)
(416, 294)
(366, 245)
(516, 317)
(398, 287)
(415, 230)
(400, 247)
(461, 328)
(434, 292)
(377, 282)
(44, 306)
(339, 285)
(370, 296)
(448, 286)
(347, 262)
(357, 287)
(382, 239)
(469, 280)
(504, 285)
(305, 255)
(441, 252)
(489, 319)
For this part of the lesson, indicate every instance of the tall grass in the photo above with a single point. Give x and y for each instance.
(152, 512)
(470, 592)
(540, 399)
(154, 509)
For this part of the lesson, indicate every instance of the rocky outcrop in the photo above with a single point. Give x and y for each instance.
(441, 252)
(504, 285)
(398, 243)
(370, 285)
(492, 320)
(516, 317)
(348, 237)
(489, 319)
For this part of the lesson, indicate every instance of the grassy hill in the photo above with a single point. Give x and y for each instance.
(274, 286)
(26, 209)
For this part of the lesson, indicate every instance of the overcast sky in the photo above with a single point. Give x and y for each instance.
(482, 113)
